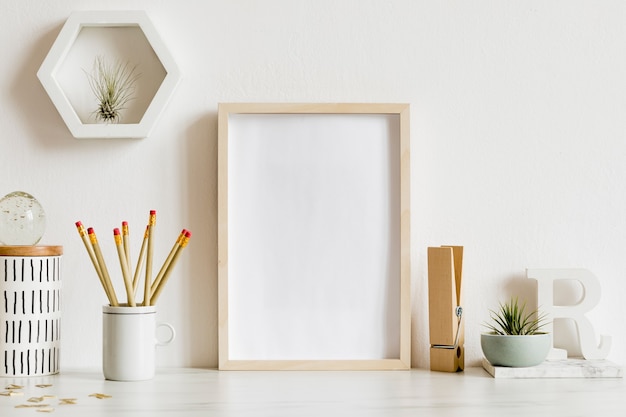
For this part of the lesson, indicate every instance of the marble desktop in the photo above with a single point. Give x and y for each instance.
(415, 392)
(562, 368)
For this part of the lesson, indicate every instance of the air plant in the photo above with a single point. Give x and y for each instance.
(511, 319)
(113, 86)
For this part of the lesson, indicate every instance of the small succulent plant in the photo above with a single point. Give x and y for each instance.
(512, 319)
(113, 86)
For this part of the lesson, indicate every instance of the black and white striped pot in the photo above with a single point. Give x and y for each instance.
(30, 325)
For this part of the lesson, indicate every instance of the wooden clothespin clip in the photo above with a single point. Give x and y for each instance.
(447, 332)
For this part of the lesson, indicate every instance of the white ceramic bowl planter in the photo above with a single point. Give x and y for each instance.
(516, 350)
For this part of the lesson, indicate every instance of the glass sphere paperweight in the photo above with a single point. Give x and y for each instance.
(22, 219)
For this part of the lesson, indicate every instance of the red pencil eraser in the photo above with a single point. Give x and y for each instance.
(116, 231)
(152, 212)
(90, 230)
(79, 223)
(187, 233)
(124, 223)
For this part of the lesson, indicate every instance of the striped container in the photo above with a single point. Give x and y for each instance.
(30, 315)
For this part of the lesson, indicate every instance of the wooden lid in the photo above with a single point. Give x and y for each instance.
(31, 250)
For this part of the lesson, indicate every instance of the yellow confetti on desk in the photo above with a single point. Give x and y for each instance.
(11, 393)
(32, 406)
(100, 396)
(66, 401)
(35, 399)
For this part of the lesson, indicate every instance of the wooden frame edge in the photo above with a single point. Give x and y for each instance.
(403, 111)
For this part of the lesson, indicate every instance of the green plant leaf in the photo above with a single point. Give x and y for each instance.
(113, 86)
(511, 319)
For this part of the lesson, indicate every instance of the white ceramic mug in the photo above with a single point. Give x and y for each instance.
(129, 341)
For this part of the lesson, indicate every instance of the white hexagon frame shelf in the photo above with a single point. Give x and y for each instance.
(130, 38)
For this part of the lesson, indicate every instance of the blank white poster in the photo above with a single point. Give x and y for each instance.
(313, 236)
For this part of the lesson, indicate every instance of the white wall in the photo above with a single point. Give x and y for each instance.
(518, 142)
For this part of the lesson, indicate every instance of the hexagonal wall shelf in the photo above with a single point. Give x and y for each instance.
(127, 37)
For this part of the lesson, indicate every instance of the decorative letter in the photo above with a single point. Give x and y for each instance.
(591, 296)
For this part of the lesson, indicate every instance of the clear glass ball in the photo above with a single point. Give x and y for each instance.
(22, 219)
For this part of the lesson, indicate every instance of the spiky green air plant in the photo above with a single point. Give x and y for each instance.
(114, 86)
(511, 319)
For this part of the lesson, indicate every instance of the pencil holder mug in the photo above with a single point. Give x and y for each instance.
(129, 342)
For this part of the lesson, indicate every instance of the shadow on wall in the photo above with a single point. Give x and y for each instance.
(199, 191)
(566, 292)
(519, 286)
(38, 113)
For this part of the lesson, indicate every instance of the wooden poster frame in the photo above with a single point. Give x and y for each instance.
(398, 307)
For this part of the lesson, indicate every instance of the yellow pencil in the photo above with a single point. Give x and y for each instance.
(105, 273)
(124, 265)
(159, 276)
(170, 267)
(83, 234)
(147, 291)
(142, 252)
(126, 240)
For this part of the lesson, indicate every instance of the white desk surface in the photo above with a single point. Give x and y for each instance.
(199, 392)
